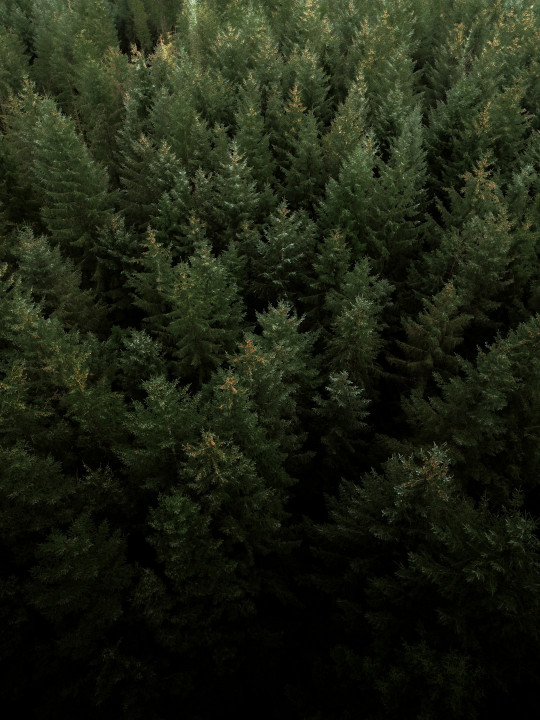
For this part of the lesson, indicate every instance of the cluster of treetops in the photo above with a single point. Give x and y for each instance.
(270, 358)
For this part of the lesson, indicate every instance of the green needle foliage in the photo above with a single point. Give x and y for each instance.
(269, 359)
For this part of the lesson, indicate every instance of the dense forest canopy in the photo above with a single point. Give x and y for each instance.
(270, 368)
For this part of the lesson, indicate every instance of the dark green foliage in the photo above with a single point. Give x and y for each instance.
(285, 256)
(67, 36)
(356, 307)
(437, 597)
(13, 63)
(55, 284)
(473, 414)
(192, 306)
(269, 363)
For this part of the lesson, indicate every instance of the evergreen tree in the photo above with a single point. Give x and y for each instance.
(13, 64)
(199, 316)
(55, 283)
(355, 338)
(147, 174)
(285, 256)
(304, 177)
(159, 426)
(232, 201)
(66, 36)
(395, 229)
(304, 71)
(72, 188)
(486, 414)
(434, 598)
(432, 338)
(100, 84)
(341, 412)
(78, 583)
(253, 142)
(478, 248)
(348, 199)
(249, 251)
(348, 127)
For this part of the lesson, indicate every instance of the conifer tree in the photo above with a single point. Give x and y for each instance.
(54, 283)
(477, 250)
(175, 118)
(159, 426)
(72, 188)
(331, 264)
(253, 142)
(304, 178)
(343, 53)
(486, 415)
(356, 308)
(420, 577)
(60, 28)
(285, 256)
(208, 534)
(13, 64)
(395, 228)
(304, 71)
(386, 45)
(198, 314)
(341, 411)
(146, 174)
(78, 583)
(100, 84)
(232, 201)
(432, 338)
(348, 128)
(348, 199)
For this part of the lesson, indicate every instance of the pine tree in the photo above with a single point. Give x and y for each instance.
(61, 28)
(13, 64)
(331, 264)
(348, 128)
(194, 308)
(304, 71)
(477, 250)
(341, 412)
(136, 358)
(304, 178)
(290, 352)
(356, 308)
(343, 53)
(486, 415)
(159, 426)
(285, 256)
(386, 46)
(348, 199)
(78, 583)
(432, 338)
(253, 142)
(100, 85)
(147, 173)
(232, 200)
(72, 188)
(208, 535)
(54, 283)
(175, 120)
(117, 252)
(419, 579)
(394, 230)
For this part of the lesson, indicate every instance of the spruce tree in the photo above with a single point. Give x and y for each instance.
(285, 256)
(486, 414)
(419, 578)
(356, 309)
